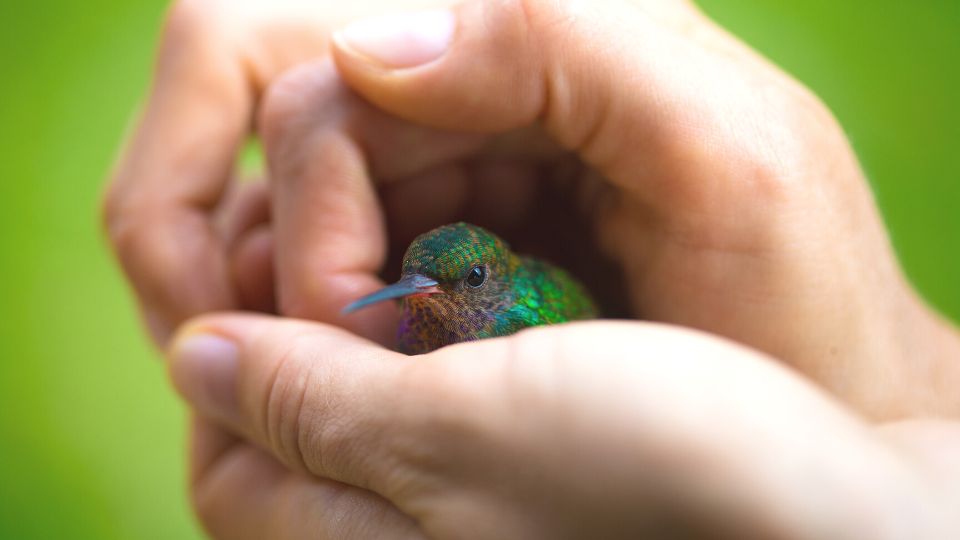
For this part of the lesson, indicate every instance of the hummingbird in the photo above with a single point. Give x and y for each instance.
(460, 282)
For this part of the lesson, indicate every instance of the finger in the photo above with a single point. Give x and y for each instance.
(244, 221)
(173, 173)
(177, 163)
(627, 85)
(426, 66)
(318, 398)
(325, 402)
(251, 265)
(432, 433)
(330, 241)
(239, 491)
(244, 208)
(325, 150)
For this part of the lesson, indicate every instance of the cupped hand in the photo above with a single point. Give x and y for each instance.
(635, 143)
(189, 238)
(588, 430)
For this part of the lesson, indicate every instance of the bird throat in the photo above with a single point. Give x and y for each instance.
(436, 320)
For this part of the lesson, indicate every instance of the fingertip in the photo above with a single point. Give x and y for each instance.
(470, 68)
(398, 41)
(216, 332)
(203, 368)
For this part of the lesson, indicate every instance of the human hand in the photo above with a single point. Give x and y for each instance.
(190, 239)
(723, 209)
(722, 190)
(588, 430)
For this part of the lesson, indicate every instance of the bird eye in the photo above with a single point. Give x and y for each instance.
(477, 276)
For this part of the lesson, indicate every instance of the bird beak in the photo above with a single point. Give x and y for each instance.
(407, 286)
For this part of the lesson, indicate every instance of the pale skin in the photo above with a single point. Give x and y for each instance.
(721, 189)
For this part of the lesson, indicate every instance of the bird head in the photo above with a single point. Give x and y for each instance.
(453, 265)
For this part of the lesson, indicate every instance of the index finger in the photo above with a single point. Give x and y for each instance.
(325, 164)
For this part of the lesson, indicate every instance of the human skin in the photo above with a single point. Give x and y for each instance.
(586, 430)
(722, 208)
(188, 240)
(721, 189)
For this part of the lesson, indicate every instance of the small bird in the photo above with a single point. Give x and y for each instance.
(460, 282)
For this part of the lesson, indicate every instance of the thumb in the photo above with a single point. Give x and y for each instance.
(595, 73)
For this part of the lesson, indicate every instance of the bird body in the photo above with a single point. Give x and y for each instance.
(461, 283)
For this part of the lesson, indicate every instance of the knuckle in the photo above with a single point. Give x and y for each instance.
(330, 439)
(133, 224)
(308, 426)
(282, 113)
(535, 11)
(193, 30)
(338, 434)
(308, 99)
(729, 169)
(189, 17)
(548, 18)
(283, 423)
(320, 418)
(121, 215)
(281, 102)
(769, 173)
(299, 100)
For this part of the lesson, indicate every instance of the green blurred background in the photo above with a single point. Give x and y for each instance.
(92, 439)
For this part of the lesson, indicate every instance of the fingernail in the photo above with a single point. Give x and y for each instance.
(401, 41)
(204, 370)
